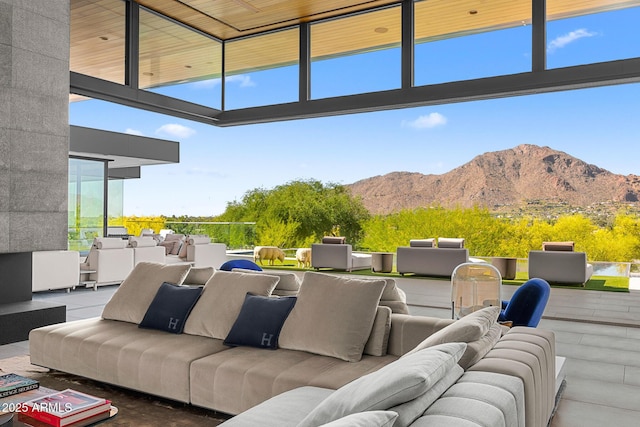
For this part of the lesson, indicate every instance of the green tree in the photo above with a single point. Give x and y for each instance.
(300, 212)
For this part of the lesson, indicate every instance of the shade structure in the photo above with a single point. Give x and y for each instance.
(474, 285)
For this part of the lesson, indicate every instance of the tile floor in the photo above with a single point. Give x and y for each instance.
(598, 333)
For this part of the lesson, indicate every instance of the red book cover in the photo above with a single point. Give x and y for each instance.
(65, 407)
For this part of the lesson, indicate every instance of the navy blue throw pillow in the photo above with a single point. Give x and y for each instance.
(170, 307)
(260, 321)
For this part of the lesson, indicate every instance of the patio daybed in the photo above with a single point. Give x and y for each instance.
(335, 334)
(422, 257)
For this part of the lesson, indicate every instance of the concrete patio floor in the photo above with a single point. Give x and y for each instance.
(598, 333)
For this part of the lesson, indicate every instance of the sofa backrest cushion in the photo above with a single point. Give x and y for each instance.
(422, 243)
(198, 239)
(334, 240)
(260, 321)
(477, 349)
(134, 295)
(198, 276)
(333, 316)
(558, 246)
(109, 243)
(288, 285)
(448, 242)
(394, 384)
(470, 328)
(221, 301)
(379, 338)
(142, 242)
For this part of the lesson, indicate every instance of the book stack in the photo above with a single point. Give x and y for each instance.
(67, 408)
(11, 384)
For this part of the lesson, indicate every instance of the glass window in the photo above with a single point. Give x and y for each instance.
(262, 70)
(115, 204)
(179, 62)
(356, 54)
(86, 202)
(591, 31)
(459, 40)
(98, 37)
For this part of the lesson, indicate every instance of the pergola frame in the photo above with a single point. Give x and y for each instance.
(539, 80)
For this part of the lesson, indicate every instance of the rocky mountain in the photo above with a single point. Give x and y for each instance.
(515, 176)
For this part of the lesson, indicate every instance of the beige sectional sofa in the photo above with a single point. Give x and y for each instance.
(337, 338)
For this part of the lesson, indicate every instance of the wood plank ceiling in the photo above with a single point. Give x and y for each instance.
(171, 53)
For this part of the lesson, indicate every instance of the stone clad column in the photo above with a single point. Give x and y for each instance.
(34, 124)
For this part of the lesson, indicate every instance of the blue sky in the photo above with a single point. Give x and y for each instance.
(218, 165)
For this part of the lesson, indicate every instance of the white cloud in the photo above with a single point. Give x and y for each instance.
(243, 79)
(133, 132)
(431, 120)
(563, 40)
(175, 130)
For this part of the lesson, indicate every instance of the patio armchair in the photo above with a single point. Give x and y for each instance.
(334, 253)
(109, 261)
(527, 304)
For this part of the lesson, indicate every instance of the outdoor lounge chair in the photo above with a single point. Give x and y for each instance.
(527, 304)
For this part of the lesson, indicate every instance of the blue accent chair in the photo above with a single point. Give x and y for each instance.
(240, 263)
(527, 304)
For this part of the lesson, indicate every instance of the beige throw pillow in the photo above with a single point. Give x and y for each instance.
(392, 385)
(379, 338)
(198, 276)
(333, 316)
(222, 297)
(470, 328)
(134, 295)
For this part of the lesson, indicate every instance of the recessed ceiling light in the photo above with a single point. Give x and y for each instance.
(473, 12)
(381, 30)
(147, 74)
(105, 38)
(187, 66)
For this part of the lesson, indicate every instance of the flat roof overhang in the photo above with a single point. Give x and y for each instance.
(125, 153)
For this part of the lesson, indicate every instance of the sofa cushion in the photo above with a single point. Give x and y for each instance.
(366, 419)
(558, 246)
(379, 337)
(448, 242)
(477, 349)
(333, 316)
(394, 384)
(170, 307)
(334, 240)
(198, 276)
(130, 302)
(469, 328)
(410, 411)
(422, 243)
(109, 243)
(221, 301)
(288, 285)
(260, 321)
(198, 239)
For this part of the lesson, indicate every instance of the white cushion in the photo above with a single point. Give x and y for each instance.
(222, 297)
(198, 239)
(470, 328)
(379, 338)
(109, 243)
(142, 242)
(393, 384)
(333, 316)
(130, 302)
